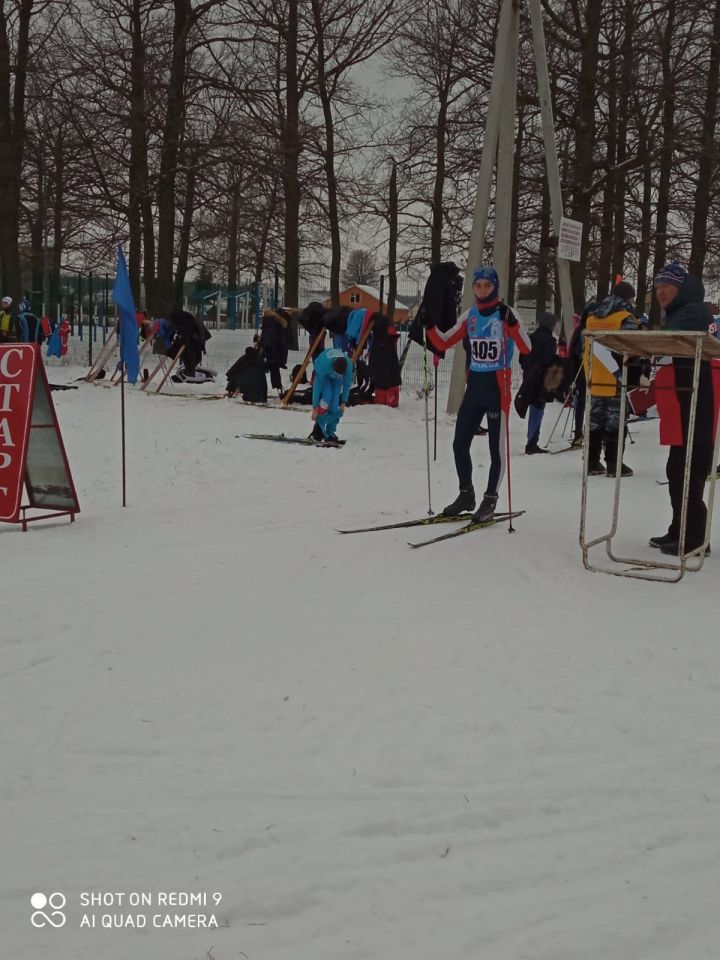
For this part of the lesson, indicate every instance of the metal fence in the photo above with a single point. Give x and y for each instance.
(226, 346)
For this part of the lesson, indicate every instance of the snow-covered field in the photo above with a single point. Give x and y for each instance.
(478, 751)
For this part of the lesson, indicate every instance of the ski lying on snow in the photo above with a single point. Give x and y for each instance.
(281, 438)
(573, 446)
(422, 522)
(305, 409)
(196, 396)
(468, 528)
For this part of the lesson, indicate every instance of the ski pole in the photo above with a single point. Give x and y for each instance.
(426, 390)
(562, 409)
(506, 390)
(436, 364)
(567, 421)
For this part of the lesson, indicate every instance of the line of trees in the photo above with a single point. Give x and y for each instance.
(245, 135)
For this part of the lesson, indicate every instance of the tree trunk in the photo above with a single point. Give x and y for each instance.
(138, 165)
(585, 140)
(328, 156)
(645, 224)
(185, 231)
(544, 253)
(515, 205)
(291, 159)
(37, 237)
(164, 294)
(608, 203)
(262, 248)
(13, 81)
(233, 228)
(707, 160)
(666, 152)
(392, 242)
(436, 223)
(627, 53)
(58, 216)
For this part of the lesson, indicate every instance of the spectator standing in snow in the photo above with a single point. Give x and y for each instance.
(681, 297)
(8, 328)
(535, 366)
(614, 313)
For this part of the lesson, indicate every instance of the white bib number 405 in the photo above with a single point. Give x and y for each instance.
(485, 348)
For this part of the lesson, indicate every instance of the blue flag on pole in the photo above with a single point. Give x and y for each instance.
(122, 295)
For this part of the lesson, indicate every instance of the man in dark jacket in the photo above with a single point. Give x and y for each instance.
(192, 334)
(681, 297)
(535, 365)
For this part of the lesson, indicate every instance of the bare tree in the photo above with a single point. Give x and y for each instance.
(361, 267)
(25, 27)
(345, 33)
(708, 155)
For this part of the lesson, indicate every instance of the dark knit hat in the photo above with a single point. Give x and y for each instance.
(625, 290)
(547, 320)
(672, 273)
(339, 365)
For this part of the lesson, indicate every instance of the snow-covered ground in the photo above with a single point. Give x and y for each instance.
(477, 751)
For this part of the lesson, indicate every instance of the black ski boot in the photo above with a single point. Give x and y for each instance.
(611, 449)
(673, 549)
(316, 434)
(534, 448)
(595, 467)
(464, 503)
(663, 540)
(486, 510)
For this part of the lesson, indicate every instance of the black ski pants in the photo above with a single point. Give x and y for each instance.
(702, 455)
(482, 396)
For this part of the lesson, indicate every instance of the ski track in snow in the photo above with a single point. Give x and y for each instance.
(477, 751)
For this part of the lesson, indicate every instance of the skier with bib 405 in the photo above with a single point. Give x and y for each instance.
(332, 379)
(490, 331)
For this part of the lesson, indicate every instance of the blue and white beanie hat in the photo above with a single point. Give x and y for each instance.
(490, 274)
(673, 273)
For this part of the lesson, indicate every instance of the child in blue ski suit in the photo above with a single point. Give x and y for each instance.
(332, 380)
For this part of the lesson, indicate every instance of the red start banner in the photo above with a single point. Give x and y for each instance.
(17, 379)
(32, 455)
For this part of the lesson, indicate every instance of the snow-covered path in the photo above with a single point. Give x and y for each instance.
(477, 751)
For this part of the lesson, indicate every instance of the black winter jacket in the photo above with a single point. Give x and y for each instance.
(688, 312)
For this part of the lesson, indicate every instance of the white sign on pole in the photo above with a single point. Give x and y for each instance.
(570, 239)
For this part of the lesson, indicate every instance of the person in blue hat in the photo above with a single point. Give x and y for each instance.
(490, 331)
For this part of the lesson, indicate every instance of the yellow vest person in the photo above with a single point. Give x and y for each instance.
(614, 313)
(7, 322)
